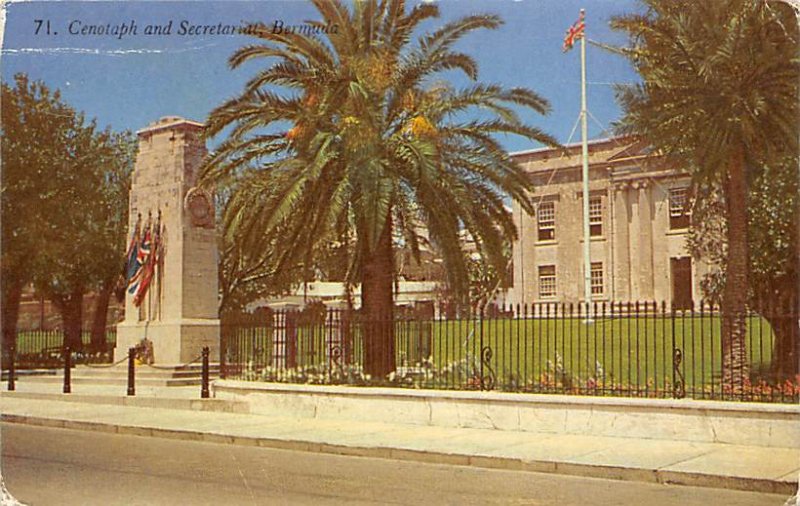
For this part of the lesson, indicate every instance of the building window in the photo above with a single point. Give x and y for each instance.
(678, 217)
(597, 278)
(595, 216)
(547, 281)
(546, 219)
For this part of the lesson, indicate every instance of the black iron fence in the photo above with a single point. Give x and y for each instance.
(639, 349)
(45, 349)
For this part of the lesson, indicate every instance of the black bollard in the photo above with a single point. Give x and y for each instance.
(131, 371)
(204, 385)
(67, 370)
(11, 372)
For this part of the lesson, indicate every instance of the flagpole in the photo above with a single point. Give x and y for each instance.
(587, 263)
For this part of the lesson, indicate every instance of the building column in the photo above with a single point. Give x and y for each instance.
(621, 245)
(634, 242)
(519, 281)
(524, 258)
(645, 264)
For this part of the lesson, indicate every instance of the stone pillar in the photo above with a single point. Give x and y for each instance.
(517, 291)
(622, 252)
(180, 313)
(524, 252)
(645, 263)
(635, 243)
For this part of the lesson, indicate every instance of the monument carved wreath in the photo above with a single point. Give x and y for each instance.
(199, 204)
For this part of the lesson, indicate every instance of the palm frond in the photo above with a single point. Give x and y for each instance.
(373, 144)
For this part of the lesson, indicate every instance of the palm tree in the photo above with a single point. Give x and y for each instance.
(720, 96)
(348, 133)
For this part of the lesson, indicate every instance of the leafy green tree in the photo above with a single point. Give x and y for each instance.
(485, 282)
(372, 141)
(774, 261)
(65, 267)
(36, 128)
(64, 207)
(719, 96)
(110, 228)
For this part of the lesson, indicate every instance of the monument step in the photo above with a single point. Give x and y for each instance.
(141, 371)
(20, 373)
(117, 380)
(179, 375)
(161, 367)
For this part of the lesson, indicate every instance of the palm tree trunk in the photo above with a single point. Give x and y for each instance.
(377, 305)
(783, 317)
(735, 368)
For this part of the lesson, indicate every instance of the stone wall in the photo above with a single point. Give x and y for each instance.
(758, 424)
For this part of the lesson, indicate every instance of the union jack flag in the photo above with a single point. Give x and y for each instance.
(142, 256)
(574, 32)
(149, 265)
(131, 263)
(133, 252)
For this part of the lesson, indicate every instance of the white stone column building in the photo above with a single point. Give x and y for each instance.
(638, 222)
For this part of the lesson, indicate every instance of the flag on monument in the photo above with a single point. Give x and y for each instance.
(131, 264)
(149, 267)
(574, 32)
(142, 256)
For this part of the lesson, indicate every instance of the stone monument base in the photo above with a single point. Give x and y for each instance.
(173, 342)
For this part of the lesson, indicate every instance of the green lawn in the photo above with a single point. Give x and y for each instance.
(623, 351)
(526, 354)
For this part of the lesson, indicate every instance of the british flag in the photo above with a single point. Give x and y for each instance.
(574, 32)
(149, 264)
(131, 265)
(142, 255)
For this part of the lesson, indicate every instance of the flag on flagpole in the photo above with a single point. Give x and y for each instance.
(131, 264)
(150, 265)
(574, 32)
(142, 256)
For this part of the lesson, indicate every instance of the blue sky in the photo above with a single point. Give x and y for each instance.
(127, 83)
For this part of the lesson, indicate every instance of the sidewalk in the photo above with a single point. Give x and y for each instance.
(177, 412)
(176, 398)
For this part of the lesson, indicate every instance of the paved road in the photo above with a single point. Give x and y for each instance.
(44, 466)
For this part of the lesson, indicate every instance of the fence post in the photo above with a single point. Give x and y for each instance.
(12, 352)
(131, 371)
(480, 348)
(67, 370)
(223, 349)
(204, 385)
(674, 348)
(290, 345)
(678, 387)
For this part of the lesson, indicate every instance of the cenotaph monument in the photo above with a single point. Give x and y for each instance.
(178, 313)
